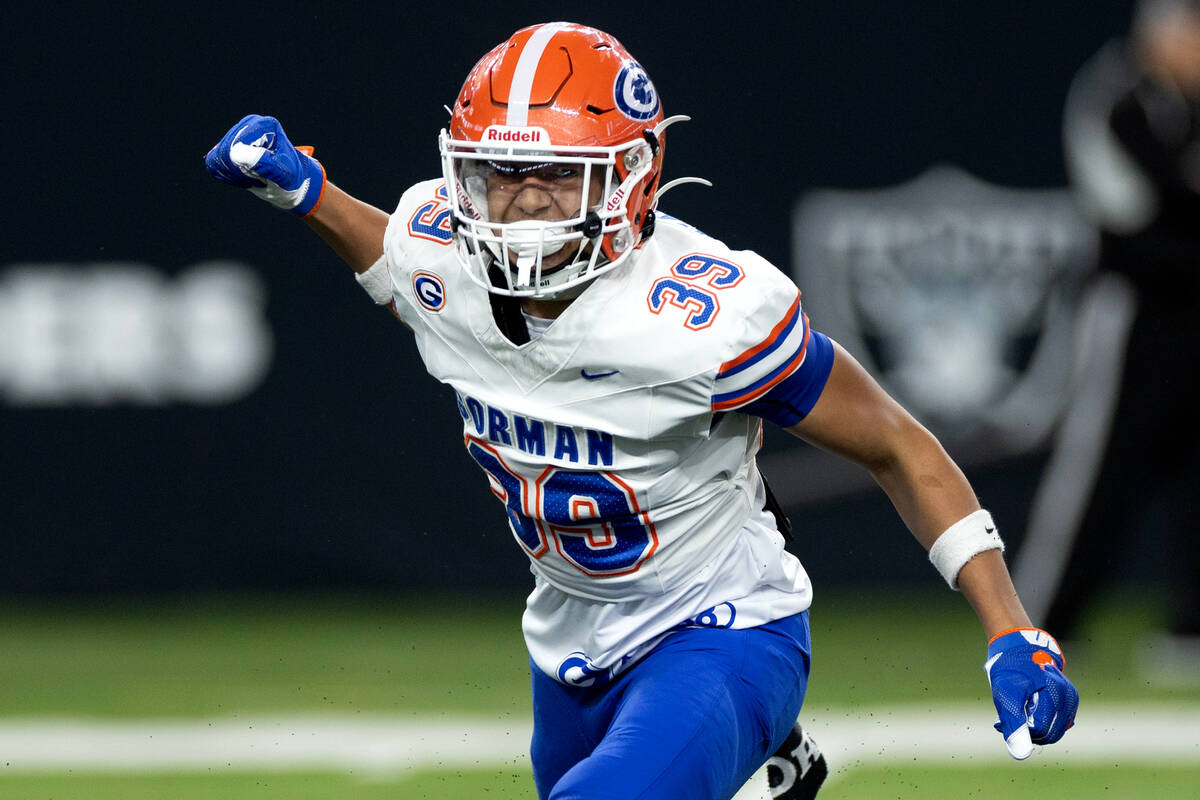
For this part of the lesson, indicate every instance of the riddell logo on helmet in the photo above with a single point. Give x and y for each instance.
(614, 202)
(503, 133)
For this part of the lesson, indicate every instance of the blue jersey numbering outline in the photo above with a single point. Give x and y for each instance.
(431, 221)
(593, 517)
(693, 284)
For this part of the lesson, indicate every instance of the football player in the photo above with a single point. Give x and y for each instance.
(613, 367)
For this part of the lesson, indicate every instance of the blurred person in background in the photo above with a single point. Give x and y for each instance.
(612, 368)
(1132, 142)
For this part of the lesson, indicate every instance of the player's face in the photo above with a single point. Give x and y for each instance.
(540, 192)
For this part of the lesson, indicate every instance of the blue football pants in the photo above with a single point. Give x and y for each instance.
(692, 720)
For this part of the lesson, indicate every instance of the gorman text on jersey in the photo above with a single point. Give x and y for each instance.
(534, 436)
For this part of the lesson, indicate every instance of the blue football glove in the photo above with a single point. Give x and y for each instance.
(1035, 701)
(255, 154)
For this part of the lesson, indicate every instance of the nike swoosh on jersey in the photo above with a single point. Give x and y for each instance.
(595, 376)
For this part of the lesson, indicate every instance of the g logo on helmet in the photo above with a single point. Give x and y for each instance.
(429, 290)
(634, 93)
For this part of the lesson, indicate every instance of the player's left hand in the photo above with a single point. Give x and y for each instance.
(1035, 701)
(255, 154)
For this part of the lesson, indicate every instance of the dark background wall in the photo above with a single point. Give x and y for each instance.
(342, 466)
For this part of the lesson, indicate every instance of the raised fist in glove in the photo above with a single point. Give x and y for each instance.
(1035, 701)
(255, 154)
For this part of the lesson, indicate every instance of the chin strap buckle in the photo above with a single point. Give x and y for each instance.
(591, 225)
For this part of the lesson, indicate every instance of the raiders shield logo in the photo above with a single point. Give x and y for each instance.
(960, 296)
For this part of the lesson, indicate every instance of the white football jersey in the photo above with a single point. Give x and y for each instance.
(613, 441)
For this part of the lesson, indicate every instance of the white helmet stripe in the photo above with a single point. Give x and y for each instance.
(527, 64)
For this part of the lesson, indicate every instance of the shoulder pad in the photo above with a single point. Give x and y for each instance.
(421, 219)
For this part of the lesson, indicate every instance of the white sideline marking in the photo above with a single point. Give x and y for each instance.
(276, 742)
(1113, 734)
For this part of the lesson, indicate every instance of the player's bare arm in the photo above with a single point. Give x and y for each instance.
(352, 228)
(856, 419)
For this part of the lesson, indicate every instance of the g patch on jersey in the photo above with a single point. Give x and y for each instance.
(429, 290)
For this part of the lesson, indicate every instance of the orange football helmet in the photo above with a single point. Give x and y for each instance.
(566, 109)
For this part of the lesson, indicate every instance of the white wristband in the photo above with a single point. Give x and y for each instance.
(962, 541)
(377, 282)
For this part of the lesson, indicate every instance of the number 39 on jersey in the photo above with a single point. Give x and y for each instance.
(592, 519)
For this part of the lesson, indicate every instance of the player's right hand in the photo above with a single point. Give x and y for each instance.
(255, 154)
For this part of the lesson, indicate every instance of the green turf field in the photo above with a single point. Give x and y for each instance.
(390, 657)
(873, 783)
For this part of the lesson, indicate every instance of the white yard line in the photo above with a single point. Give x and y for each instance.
(256, 742)
(1112, 734)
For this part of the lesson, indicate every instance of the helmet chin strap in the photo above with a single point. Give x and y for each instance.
(529, 244)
